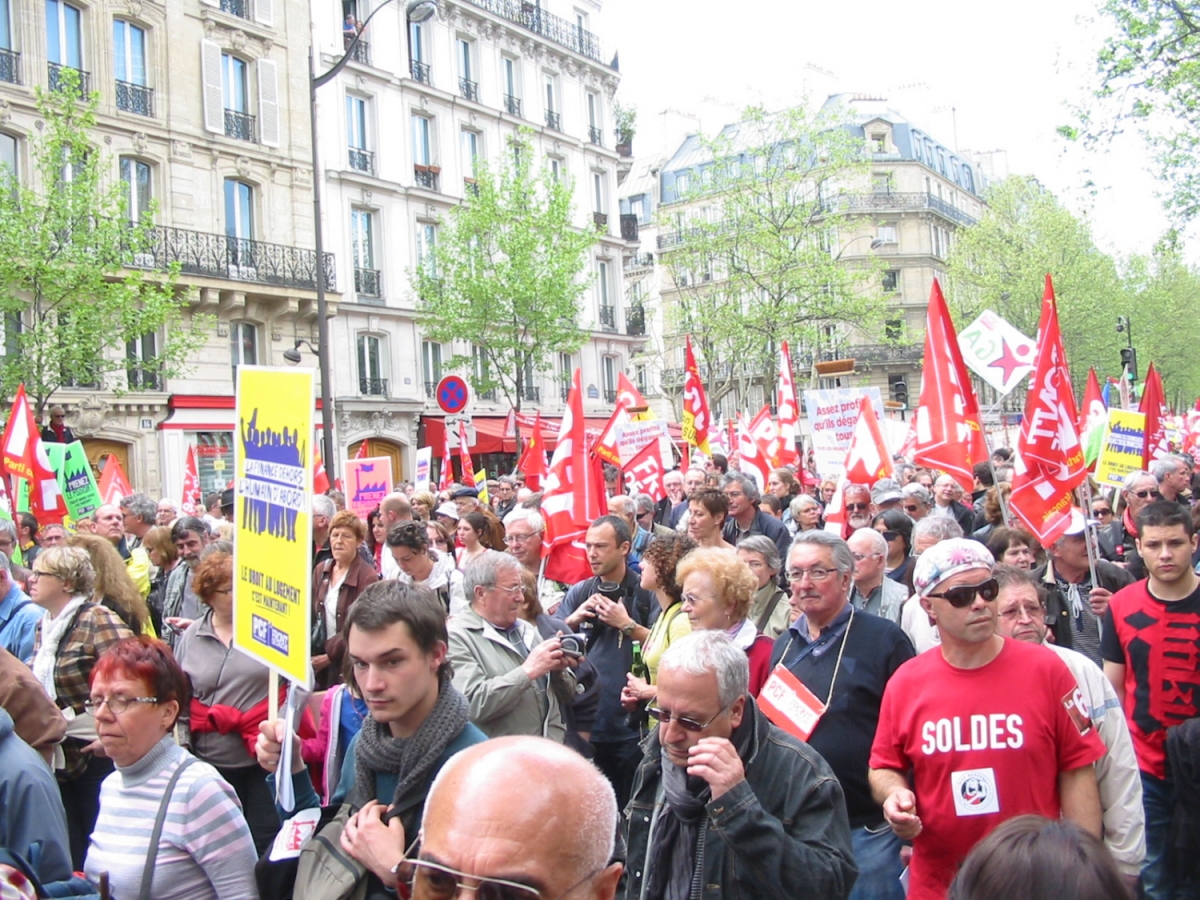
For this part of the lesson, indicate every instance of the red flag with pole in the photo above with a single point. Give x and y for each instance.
(447, 480)
(24, 456)
(533, 457)
(867, 460)
(464, 454)
(1050, 463)
(191, 485)
(948, 425)
(364, 450)
(113, 483)
(1153, 405)
(696, 418)
(320, 476)
(787, 410)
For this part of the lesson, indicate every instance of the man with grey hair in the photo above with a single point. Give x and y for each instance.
(693, 479)
(323, 510)
(626, 507)
(8, 546)
(745, 517)
(551, 800)
(505, 500)
(647, 514)
(726, 799)
(512, 679)
(167, 512)
(1118, 539)
(19, 616)
(872, 592)
(139, 514)
(523, 530)
(1174, 477)
(927, 533)
(834, 648)
(917, 501)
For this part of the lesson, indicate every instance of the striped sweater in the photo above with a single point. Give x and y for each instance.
(205, 852)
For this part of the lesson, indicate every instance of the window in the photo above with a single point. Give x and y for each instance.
(639, 378)
(431, 358)
(894, 329)
(8, 157)
(553, 117)
(426, 244)
(637, 207)
(470, 152)
(681, 184)
(136, 175)
(235, 83)
(512, 87)
(214, 459)
(566, 369)
(481, 371)
(243, 345)
(886, 234)
(239, 225)
(138, 353)
(881, 182)
(129, 62)
(468, 83)
(940, 240)
(879, 142)
(595, 128)
(64, 46)
(891, 280)
(417, 65)
(371, 379)
(608, 313)
(599, 184)
(610, 379)
(558, 169)
(362, 242)
(361, 158)
(227, 89)
(13, 326)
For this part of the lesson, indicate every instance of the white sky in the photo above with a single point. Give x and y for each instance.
(1009, 72)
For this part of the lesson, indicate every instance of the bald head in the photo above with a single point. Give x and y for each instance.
(526, 809)
(395, 508)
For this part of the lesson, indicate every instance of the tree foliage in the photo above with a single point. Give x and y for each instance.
(507, 274)
(66, 244)
(759, 240)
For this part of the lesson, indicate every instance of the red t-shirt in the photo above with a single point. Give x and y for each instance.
(760, 662)
(984, 745)
(1158, 643)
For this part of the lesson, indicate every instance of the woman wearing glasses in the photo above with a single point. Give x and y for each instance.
(805, 515)
(717, 590)
(897, 528)
(69, 640)
(204, 849)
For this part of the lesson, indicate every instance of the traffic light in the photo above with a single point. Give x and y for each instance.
(900, 392)
(1129, 360)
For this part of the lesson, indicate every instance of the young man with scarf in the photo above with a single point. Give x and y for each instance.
(723, 799)
(396, 653)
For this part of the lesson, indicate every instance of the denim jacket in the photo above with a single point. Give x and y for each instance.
(782, 834)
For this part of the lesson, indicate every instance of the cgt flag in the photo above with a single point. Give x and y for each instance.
(696, 418)
(644, 474)
(113, 483)
(867, 460)
(1154, 406)
(24, 456)
(752, 455)
(1050, 460)
(788, 410)
(447, 480)
(464, 454)
(191, 505)
(533, 457)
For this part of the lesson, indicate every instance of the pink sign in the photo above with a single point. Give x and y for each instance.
(368, 481)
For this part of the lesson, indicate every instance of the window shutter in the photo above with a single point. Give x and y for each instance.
(264, 12)
(268, 102)
(214, 98)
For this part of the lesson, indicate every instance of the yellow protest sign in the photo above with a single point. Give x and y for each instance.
(1121, 450)
(272, 556)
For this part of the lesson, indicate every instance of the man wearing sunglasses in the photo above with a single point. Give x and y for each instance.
(917, 501)
(987, 728)
(1118, 540)
(946, 492)
(723, 798)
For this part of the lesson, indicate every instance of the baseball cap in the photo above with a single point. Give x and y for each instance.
(885, 491)
(449, 510)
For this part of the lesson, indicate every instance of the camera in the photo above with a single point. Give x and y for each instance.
(574, 644)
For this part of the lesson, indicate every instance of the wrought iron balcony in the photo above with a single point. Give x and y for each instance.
(135, 98)
(468, 88)
(610, 395)
(55, 78)
(635, 321)
(373, 387)
(362, 160)
(431, 388)
(512, 104)
(897, 201)
(639, 261)
(531, 393)
(877, 353)
(362, 52)
(366, 282)
(142, 378)
(10, 66)
(419, 71)
(238, 259)
(629, 227)
(534, 18)
(239, 125)
(239, 8)
(600, 220)
(553, 120)
(564, 391)
(489, 394)
(470, 187)
(426, 177)
(608, 317)
(595, 136)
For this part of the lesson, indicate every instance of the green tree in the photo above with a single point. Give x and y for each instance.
(757, 244)
(69, 297)
(1160, 291)
(507, 274)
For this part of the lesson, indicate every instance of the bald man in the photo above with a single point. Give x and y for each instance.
(526, 813)
(393, 509)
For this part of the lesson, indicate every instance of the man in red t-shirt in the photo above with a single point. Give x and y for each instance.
(1151, 649)
(990, 728)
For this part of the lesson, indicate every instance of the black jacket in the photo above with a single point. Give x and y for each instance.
(49, 437)
(765, 525)
(1058, 612)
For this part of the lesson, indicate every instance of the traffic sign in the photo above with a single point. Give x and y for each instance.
(452, 394)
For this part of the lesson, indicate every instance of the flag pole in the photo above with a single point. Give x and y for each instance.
(1089, 540)
(992, 465)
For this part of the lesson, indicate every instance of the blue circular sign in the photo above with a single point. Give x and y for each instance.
(452, 394)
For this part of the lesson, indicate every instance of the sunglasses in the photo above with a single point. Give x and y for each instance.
(890, 535)
(858, 506)
(687, 724)
(1101, 511)
(433, 881)
(964, 595)
(1144, 494)
(912, 508)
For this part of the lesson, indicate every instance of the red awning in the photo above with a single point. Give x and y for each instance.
(490, 436)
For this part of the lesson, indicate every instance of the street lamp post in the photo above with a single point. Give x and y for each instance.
(415, 11)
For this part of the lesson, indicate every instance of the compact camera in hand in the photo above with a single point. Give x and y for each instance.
(574, 644)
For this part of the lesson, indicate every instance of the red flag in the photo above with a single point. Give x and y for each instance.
(25, 457)
(606, 444)
(788, 410)
(752, 455)
(644, 474)
(1050, 460)
(191, 505)
(1154, 406)
(949, 429)
(573, 497)
(628, 396)
(320, 476)
(695, 405)
(113, 483)
(867, 457)
(447, 480)
(464, 454)
(765, 431)
(533, 457)
(364, 451)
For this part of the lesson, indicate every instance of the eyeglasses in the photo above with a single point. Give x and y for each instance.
(912, 508)
(512, 539)
(116, 705)
(858, 506)
(1034, 612)
(515, 589)
(890, 535)
(859, 557)
(1100, 511)
(816, 573)
(1144, 494)
(687, 724)
(433, 881)
(964, 595)
(36, 574)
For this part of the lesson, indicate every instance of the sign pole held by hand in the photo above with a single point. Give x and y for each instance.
(273, 696)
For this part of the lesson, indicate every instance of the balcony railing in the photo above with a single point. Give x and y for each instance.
(610, 395)
(55, 79)
(898, 201)
(419, 71)
(595, 136)
(629, 227)
(600, 220)
(635, 321)
(564, 391)
(373, 387)
(10, 66)
(549, 26)
(470, 187)
(366, 282)
(489, 394)
(512, 104)
(239, 125)
(431, 388)
(639, 261)
(608, 317)
(553, 120)
(362, 52)
(238, 259)
(362, 160)
(426, 177)
(239, 8)
(531, 393)
(468, 88)
(135, 98)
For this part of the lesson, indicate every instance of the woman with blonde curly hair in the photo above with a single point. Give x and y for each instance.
(718, 588)
(113, 586)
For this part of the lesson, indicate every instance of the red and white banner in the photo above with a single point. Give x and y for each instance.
(867, 460)
(363, 450)
(752, 456)
(1154, 406)
(533, 458)
(25, 457)
(113, 483)
(446, 481)
(191, 504)
(644, 473)
(629, 398)
(696, 418)
(787, 410)
(320, 476)
(464, 454)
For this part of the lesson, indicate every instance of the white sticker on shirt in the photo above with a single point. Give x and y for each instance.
(975, 792)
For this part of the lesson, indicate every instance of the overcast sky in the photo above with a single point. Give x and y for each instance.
(1001, 78)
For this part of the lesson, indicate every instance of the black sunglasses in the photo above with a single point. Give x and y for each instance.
(1144, 494)
(964, 595)
(858, 506)
(1101, 511)
(890, 535)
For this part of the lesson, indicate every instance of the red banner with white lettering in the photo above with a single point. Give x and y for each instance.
(696, 418)
(644, 474)
(1154, 406)
(25, 457)
(787, 410)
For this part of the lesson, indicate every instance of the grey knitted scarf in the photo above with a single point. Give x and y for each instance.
(412, 758)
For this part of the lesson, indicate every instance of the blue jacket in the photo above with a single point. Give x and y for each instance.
(32, 822)
(765, 525)
(19, 617)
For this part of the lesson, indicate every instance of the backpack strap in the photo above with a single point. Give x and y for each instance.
(156, 834)
(766, 615)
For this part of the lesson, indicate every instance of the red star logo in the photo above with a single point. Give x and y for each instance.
(1008, 361)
